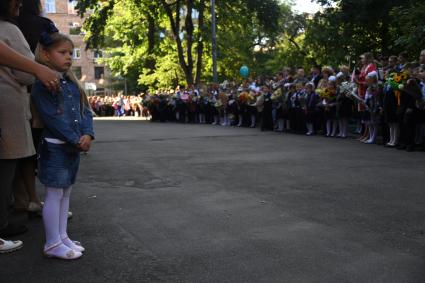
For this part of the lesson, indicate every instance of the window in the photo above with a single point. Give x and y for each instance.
(77, 72)
(76, 54)
(97, 54)
(50, 6)
(75, 30)
(71, 7)
(99, 72)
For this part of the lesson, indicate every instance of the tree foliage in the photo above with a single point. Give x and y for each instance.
(352, 27)
(168, 42)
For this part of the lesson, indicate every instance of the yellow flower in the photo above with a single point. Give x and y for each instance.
(403, 76)
(397, 78)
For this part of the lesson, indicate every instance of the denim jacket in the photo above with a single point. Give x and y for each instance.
(61, 112)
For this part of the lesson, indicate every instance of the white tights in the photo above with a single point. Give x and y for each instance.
(373, 130)
(55, 218)
(394, 134)
(343, 125)
(331, 127)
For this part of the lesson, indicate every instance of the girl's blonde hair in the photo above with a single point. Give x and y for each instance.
(54, 40)
(328, 70)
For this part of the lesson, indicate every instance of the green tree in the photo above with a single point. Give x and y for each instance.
(167, 41)
(352, 27)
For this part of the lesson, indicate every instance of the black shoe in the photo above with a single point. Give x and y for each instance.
(12, 230)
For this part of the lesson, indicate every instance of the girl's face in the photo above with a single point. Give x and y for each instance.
(60, 56)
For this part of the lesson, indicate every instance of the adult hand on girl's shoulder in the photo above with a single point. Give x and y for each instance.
(48, 77)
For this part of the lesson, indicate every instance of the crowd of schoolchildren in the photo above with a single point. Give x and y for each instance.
(118, 105)
(383, 100)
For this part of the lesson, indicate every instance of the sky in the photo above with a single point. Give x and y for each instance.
(307, 6)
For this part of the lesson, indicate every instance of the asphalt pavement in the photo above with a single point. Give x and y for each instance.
(201, 203)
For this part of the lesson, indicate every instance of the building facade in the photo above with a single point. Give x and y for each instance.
(85, 62)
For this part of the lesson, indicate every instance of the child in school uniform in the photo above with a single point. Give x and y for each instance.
(371, 102)
(330, 108)
(68, 122)
(344, 108)
(312, 101)
(267, 114)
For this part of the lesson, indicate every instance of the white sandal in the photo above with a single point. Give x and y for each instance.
(78, 246)
(70, 255)
(10, 246)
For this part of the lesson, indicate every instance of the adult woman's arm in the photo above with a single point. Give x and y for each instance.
(13, 59)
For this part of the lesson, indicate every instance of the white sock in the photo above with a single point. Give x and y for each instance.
(340, 126)
(281, 125)
(328, 127)
(372, 133)
(391, 142)
(345, 127)
(253, 120)
(334, 127)
(396, 134)
(51, 219)
(309, 128)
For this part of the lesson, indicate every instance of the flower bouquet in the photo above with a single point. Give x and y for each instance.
(245, 98)
(348, 88)
(396, 82)
(326, 93)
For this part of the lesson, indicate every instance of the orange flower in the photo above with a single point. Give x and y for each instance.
(397, 78)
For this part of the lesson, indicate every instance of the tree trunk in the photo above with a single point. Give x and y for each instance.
(189, 38)
(385, 40)
(175, 26)
(200, 45)
(150, 62)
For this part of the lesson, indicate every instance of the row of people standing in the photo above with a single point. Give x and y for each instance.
(386, 101)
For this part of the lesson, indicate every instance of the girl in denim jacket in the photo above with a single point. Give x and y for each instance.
(68, 130)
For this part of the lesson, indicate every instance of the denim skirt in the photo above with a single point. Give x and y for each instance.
(58, 164)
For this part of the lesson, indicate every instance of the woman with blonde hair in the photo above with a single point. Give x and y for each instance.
(368, 66)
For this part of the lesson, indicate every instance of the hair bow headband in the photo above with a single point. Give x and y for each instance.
(45, 38)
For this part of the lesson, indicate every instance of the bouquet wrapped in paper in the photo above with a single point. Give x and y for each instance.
(326, 93)
(397, 81)
(348, 88)
(243, 97)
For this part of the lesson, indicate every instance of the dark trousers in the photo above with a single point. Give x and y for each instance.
(407, 129)
(7, 174)
(385, 132)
